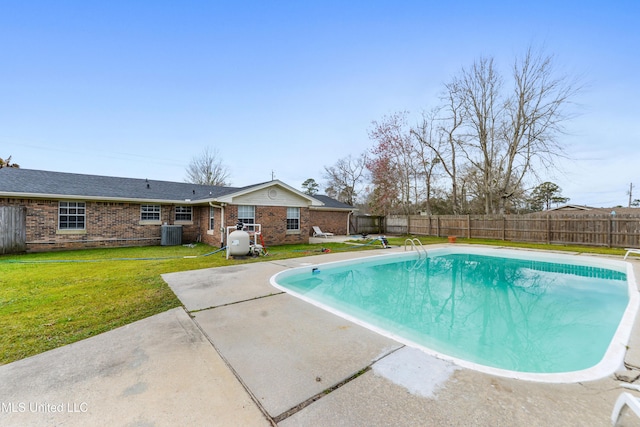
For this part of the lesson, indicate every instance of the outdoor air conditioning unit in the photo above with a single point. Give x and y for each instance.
(171, 235)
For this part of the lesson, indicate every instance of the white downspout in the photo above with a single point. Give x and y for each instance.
(221, 207)
(348, 223)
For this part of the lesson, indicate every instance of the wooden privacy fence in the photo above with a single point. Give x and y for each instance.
(367, 224)
(592, 230)
(13, 229)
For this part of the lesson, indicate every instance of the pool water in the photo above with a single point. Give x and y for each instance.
(508, 313)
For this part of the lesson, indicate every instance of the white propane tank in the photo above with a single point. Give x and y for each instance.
(238, 243)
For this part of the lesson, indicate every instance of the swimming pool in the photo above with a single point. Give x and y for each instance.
(529, 315)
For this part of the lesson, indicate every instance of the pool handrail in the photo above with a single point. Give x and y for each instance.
(418, 248)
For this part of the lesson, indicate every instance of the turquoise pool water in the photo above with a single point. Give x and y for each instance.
(514, 314)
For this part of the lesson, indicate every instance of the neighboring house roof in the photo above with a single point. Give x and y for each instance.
(27, 183)
(589, 210)
(572, 208)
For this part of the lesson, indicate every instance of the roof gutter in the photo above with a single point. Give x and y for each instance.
(43, 196)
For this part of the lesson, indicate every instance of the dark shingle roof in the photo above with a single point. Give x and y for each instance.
(332, 203)
(37, 182)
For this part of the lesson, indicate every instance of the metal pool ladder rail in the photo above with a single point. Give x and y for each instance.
(422, 251)
(416, 245)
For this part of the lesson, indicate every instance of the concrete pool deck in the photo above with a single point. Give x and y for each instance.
(243, 353)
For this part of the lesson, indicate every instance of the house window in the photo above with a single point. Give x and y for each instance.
(71, 215)
(247, 215)
(150, 212)
(211, 216)
(293, 218)
(183, 213)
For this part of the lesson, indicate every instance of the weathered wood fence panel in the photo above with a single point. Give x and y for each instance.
(396, 225)
(13, 229)
(592, 230)
(366, 224)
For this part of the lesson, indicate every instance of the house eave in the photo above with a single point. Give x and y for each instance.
(328, 208)
(103, 198)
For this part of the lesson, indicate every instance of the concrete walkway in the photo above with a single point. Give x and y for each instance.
(241, 353)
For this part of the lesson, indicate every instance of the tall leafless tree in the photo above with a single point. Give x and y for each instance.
(439, 133)
(534, 117)
(477, 90)
(345, 178)
(507, 134)
(207, 168)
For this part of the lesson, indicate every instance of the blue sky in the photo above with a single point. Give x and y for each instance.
(137, 88)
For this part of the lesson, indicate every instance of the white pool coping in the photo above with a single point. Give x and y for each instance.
(612, 360)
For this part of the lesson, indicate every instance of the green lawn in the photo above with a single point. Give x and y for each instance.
(51, 299)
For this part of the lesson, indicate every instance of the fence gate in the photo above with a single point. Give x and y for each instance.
(13, 229)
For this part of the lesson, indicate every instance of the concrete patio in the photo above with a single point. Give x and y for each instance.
(243, 353)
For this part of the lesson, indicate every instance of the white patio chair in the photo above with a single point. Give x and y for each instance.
(631, 251)
(625, 399)
(318, 233)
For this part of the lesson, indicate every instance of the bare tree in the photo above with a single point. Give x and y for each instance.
(208, 169)
(507, 134)
(534, 117)
(428, 162)
(477, 91)
(439, 133)
(345, 178)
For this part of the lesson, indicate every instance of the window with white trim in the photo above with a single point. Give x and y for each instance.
(212, 212)
(184, 213)
(150, 212)
(247, 215)
(293, 218)
(71, 215)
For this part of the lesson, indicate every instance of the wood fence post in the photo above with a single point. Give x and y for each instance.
(504, 227)
(438, 226)
(610, 232)
(548, 230)
(468, 226)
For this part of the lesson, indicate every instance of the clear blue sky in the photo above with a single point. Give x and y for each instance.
(137, 88)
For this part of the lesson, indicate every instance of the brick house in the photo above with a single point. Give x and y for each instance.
(68, 211)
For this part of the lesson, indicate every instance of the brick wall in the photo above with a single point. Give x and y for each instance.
(210, 237)
(273, 220)
(113, 224)
(107, 224)
(329, 221)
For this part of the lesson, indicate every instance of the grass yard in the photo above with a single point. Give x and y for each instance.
(52, 299)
